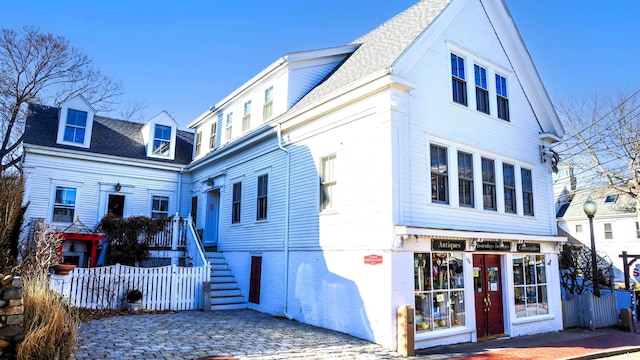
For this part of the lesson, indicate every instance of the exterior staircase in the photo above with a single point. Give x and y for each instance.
(225, 293)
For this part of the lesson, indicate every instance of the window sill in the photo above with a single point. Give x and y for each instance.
(428, 335)
(531, 319)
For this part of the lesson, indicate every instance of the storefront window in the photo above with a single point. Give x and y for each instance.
(439, 291)
(530, 282)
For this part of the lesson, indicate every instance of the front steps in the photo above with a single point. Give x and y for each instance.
(225, 293)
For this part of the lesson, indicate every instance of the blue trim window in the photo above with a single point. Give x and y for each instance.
(482, 92)
(458, 82)
(76, 126)
(502, 98)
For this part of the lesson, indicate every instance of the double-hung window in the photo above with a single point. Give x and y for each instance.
(327, 183)
(502, 98)
(263, 187)
(530, 285)
(246, 116)
(458, 82)
(509, 178)
(162, 140)
(527, 192)
(198, 142)
(267, 108)
(214, 135)
(236, 203)
(76, 126)
(64, 204)
(488, 184)
(159, 207)
(608, 231)
(439, 175)
(465, 179)
(229, 126)
(482, 92)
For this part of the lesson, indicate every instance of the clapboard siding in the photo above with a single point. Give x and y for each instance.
(306, 77)
(138, 185)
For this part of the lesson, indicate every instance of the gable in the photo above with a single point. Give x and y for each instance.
(75, 122)
(159, 136)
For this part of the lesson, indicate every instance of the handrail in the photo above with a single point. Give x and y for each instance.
(196, 252)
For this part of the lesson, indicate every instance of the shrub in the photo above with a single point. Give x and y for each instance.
(11, 218)
(41, 252)
(49, 322)
(134, 295)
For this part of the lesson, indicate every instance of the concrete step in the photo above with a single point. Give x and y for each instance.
(225, 292)
(229, 306)
(221, 273)
(222, 279)
(222, 266)
(223, 286)
(227, 300)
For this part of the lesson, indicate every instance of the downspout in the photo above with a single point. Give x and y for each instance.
(286, 226)
(178, 197)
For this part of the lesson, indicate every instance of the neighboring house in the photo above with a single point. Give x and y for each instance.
(408, 167)
(80, 165)
(616, 227)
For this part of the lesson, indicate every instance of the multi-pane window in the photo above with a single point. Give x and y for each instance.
(162, 140)
(527, 192)
(465, 179)
(228, 126)
(267, 109)
(198, 142)
(509, 178)
(530, 285)
(236, 201)
(263, 187)
(578, 229)
(64, 204)
(213, 135)
(608, 231)
(439, 291)
(246, 116)
(458, 82)
(502, 98)
(159, 207)
(439, 175)
(482, 91)
(76, 126)
(327, 183)
(488, 184)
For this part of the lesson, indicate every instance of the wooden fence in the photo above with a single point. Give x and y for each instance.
(589, 311)
(163, 288)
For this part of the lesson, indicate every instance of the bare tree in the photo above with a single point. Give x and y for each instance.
(603, 141)
(576, 271)
(37, 67)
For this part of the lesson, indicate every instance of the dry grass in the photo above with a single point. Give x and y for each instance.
(50, 323)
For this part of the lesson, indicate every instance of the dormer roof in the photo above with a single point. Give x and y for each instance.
(109, 137)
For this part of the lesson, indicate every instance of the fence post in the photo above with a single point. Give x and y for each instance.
(175, 233)
(174, 288)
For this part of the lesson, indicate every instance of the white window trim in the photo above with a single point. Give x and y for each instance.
(335, 207)
(63, 124)
(52, 199)
(170, 195)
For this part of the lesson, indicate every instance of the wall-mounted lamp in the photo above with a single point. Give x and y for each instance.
(118, 187)
(418, 238)
(209, 182)
(474, 243)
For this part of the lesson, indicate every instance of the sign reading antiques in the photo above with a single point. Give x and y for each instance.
(448, 245)
(529, 247)
(493, 246)
(373, 259)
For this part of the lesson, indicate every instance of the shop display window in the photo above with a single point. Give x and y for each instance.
(439, 291)
(530, 285)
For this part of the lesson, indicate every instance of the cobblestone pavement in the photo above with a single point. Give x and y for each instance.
(242, 334)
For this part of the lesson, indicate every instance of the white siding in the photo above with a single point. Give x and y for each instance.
(305, 77)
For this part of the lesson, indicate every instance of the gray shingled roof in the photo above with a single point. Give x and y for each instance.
(624, 204)
(109, 136)
(379, 49)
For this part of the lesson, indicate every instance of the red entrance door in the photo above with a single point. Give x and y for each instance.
(487, 283)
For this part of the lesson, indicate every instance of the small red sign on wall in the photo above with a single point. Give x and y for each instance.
(373, 259)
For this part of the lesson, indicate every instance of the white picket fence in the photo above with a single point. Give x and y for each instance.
(163, 288)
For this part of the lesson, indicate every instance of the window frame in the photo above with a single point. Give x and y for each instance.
(608, 231)
(246, 116)
(213, 136)
(509, 186)
(527, 192)
(482, 89)
(579, 229)
(488, 184)
(228, 127)
(328, 183)
(262, 197)
(71, 124)
(59, 204)
(236, 202)
(158, 212)
(198, 142)
(458, 80)
(522, 280)
(267, 108)
(502, 98)
(160, 141)
(466, 193)
(439, 177)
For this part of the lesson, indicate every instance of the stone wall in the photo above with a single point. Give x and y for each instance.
(11, 315)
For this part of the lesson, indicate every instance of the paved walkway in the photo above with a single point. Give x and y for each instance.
(246, 334)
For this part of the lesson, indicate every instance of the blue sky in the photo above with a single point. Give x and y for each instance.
(184, 56)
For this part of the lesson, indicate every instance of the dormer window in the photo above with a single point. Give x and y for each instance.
(611, 199)
(162, 140)
(76, 126)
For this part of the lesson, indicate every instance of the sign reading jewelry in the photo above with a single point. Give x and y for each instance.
(493, 246)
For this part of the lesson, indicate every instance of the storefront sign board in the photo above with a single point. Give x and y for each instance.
(448, 245)
(373, 259)
(493, 246)
(529, 247)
